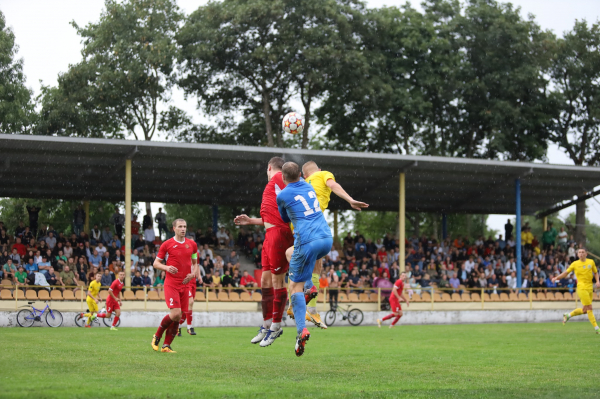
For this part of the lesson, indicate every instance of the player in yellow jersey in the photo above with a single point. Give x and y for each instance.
(585, 272)
(324, 184)
(93, 299)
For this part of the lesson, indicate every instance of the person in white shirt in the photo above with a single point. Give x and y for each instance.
(562, 238)
(512, 281)
(334, 255)
(134, 260)
(206, 252)
(470, 265)
(101, 249)
(510, 266)
(222, 237)
(149, 235)
(379, 244)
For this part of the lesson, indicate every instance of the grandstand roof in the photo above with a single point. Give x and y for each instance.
(77, 168)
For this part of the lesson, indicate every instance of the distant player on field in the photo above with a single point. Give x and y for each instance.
(299, 205)
(187, 317)
(181, 255)
(93, 299)
(585, 271)
(113, 302)
(278, 238)
(395, 299)
(323, 183)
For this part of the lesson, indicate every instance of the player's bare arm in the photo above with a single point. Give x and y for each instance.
(561, 276)
(89, 293)
(111, 293)
(193, 273)
(161, 266)
(403, 297)
(242, 220)
(340, 192)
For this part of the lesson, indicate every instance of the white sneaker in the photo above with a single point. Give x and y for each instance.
(270, 337)
(262, 332)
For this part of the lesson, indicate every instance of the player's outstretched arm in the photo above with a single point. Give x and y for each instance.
(597, 280)
(340, 192)
(161, 266)
(242, 220)
(560, 276)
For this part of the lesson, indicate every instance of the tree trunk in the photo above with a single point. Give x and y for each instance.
(267, 113)
(307, 116)
(416, 226)
(580, 237)
(468, 226)
(148, 208)
(434, 218)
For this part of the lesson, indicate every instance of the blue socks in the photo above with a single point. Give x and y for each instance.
(299, 307)
(308, 284)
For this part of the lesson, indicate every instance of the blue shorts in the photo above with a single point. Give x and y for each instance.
(305, 256)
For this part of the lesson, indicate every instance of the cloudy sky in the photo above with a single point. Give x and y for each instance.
(48, 44)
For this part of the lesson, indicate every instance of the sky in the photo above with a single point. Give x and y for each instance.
(48, 44)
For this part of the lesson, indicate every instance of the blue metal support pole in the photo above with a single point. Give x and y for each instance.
(518, 230)
(215, 211)
(444, 226)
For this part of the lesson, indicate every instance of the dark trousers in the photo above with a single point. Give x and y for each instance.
(333, 298)
(119, 230)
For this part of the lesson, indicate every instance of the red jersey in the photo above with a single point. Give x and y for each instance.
(399, 284)
(180, 256)
(116, 288)
(269, 212)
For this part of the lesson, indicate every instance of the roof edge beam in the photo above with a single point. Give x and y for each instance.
(557, 208)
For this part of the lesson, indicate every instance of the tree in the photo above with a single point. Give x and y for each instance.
(575, 75)
(16, 107)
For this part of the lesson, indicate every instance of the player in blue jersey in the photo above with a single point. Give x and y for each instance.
(298, 204)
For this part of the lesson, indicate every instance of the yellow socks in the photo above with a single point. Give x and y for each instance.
(590, 314)
(315, 280)
(577, 312)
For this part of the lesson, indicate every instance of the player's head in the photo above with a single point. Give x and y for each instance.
(291, 172)
(275, 164)
(98, 277)
(582, 253)
(403, 276)
(179, 227)
(122, 275)
(309, 168)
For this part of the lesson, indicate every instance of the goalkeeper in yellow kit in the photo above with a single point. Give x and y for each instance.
(324, 183)
(585, 271)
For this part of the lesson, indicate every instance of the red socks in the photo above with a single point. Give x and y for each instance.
(267, 303)
(188, 316)
(171, 333)
(279, 304)
(396, 320)
(164, 325)
(388, 316)
(115, 321)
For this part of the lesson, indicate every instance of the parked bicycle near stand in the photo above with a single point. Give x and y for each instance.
(26, 317)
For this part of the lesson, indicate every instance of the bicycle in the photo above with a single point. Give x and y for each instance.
(81, 321)
(354, 316)
(26, 317)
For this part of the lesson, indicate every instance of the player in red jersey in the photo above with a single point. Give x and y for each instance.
(395, 299)
(181, 256)
(113, 302)
(278, 238)
(187, 317)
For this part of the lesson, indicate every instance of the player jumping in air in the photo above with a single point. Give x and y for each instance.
(93, 299)
(278, 238)
(181, 265)
(395, 299)
(187, 317)
(113, 302)
(299, 205)
(323, 183)
(585, 271)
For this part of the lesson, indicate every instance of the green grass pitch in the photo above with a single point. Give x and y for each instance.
(462, 361)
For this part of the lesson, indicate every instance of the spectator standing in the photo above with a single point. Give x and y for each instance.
(562, 239)
(118, 220)
(34, 213)
(78, 219)
(161, 220)
(147, 220)
(508, 229)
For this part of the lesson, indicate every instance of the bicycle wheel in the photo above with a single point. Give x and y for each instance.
(330, 317)
(80, 320)
(25, 318)
(54, 318)
(109, 320)
(355, 317)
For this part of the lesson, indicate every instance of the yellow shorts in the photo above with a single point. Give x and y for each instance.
(585, 296)
(92, 305)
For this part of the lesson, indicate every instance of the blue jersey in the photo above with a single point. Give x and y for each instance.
(298, 204)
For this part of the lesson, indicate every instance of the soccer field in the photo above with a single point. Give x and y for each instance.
(488, 361)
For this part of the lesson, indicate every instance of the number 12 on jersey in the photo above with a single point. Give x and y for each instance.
(309, 211)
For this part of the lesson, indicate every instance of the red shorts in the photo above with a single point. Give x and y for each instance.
(111, 305)
(395, 304)
(177, 297)
(277, 241)
(192, 289)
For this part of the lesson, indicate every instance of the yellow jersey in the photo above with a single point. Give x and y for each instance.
(318, 181)
(584, 271)
(94, 288)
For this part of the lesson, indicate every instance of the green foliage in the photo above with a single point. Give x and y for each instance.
(201, 216)
(16, 107)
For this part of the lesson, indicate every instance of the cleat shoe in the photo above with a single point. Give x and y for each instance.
(315, 319)
(379, 323)
(88, 326)
(262, 332)
(155, 342)
(597, 329)
(301, 340)
(191, 331)
(179, 332)
(566, 318)
(113, 328)
(271, 337)
(167, 349)
(290, 312)
(391, 326)
(310, 294)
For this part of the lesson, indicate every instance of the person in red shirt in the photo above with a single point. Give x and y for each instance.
(178, 256)
(395, 299)
(248, 281)
(113, 302)
(21, 248)
(278, 238)
(187, 317)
